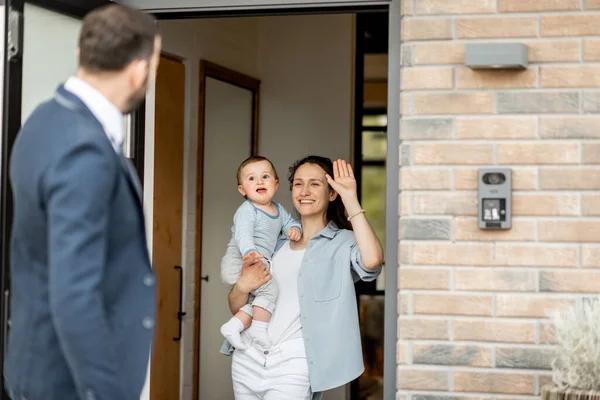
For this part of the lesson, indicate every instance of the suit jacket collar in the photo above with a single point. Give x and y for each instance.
(71, 101)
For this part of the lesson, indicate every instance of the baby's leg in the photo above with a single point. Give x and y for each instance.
(231, 266)
(260, 314)
(232, 329)
(262, 308)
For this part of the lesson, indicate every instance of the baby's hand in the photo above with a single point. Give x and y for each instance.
(252, 255)
(294, 234)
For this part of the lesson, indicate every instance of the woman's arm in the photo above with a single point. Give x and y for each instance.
(371, 252)
(254, 274)
(344, 183)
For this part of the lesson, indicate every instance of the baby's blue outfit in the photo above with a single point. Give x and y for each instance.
(254, 229)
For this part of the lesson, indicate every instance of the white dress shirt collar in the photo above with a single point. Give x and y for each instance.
(106, 113)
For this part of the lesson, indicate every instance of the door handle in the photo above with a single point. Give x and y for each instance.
(180, 313)
(204, 278)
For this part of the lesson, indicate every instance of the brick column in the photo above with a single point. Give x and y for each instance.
(474, 304)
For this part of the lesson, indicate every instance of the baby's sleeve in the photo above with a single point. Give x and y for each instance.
(288, 221)
(243, 228)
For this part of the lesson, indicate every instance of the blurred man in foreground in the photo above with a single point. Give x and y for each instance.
(82, 287)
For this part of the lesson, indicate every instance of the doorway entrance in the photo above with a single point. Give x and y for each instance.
(315, 86)
(188, 9)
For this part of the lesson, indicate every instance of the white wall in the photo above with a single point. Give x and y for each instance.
(306, 108)
(306, 67)
(50, 54)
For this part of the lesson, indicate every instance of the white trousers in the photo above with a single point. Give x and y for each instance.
(279, 373)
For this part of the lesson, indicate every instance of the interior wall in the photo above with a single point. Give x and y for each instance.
(306, 108)
(49, 57)
(306, 67)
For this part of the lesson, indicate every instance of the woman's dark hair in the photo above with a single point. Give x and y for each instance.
(336, 212)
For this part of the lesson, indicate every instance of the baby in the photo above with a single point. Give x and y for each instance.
(257, 225)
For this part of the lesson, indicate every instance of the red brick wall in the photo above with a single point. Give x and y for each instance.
(474, 304)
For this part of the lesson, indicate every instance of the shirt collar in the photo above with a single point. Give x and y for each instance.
(106, 113)
(330, 230)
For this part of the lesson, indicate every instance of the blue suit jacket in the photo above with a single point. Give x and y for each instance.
(82, 287)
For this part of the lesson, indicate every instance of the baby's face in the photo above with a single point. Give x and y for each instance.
(258, 182)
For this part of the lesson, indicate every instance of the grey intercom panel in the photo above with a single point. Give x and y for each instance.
(494, 195)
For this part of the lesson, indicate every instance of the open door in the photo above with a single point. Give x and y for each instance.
(167, 228)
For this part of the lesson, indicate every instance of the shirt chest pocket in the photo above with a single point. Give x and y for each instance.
(326, 279)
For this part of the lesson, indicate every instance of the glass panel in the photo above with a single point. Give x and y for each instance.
(375, 120)
(374, 146)
(373, 198)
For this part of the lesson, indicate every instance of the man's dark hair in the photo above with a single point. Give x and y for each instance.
(113, 36)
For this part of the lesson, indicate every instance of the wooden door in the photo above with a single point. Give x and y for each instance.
(167, 227)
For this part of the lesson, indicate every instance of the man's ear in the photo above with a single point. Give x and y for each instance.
(139, 72)
(241, 190)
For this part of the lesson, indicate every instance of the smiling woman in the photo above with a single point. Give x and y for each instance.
(319, 305)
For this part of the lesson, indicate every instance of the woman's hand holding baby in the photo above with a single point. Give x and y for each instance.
(251, 255)
(254, 274)
(294, 234)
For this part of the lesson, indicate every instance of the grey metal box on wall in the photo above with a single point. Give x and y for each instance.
(494, 194)
(496, 55)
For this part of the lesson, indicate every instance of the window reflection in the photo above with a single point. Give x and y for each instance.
(374, 146)
(375, 120)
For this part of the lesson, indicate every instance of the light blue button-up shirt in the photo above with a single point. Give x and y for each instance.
(328, 308)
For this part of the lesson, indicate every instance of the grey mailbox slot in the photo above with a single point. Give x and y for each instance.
(494, 195)
(496, 55)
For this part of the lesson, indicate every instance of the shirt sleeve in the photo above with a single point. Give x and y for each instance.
(244, 221)
(288, 221)
(360, 272)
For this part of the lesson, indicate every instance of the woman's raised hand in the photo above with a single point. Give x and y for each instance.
(343, 181)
